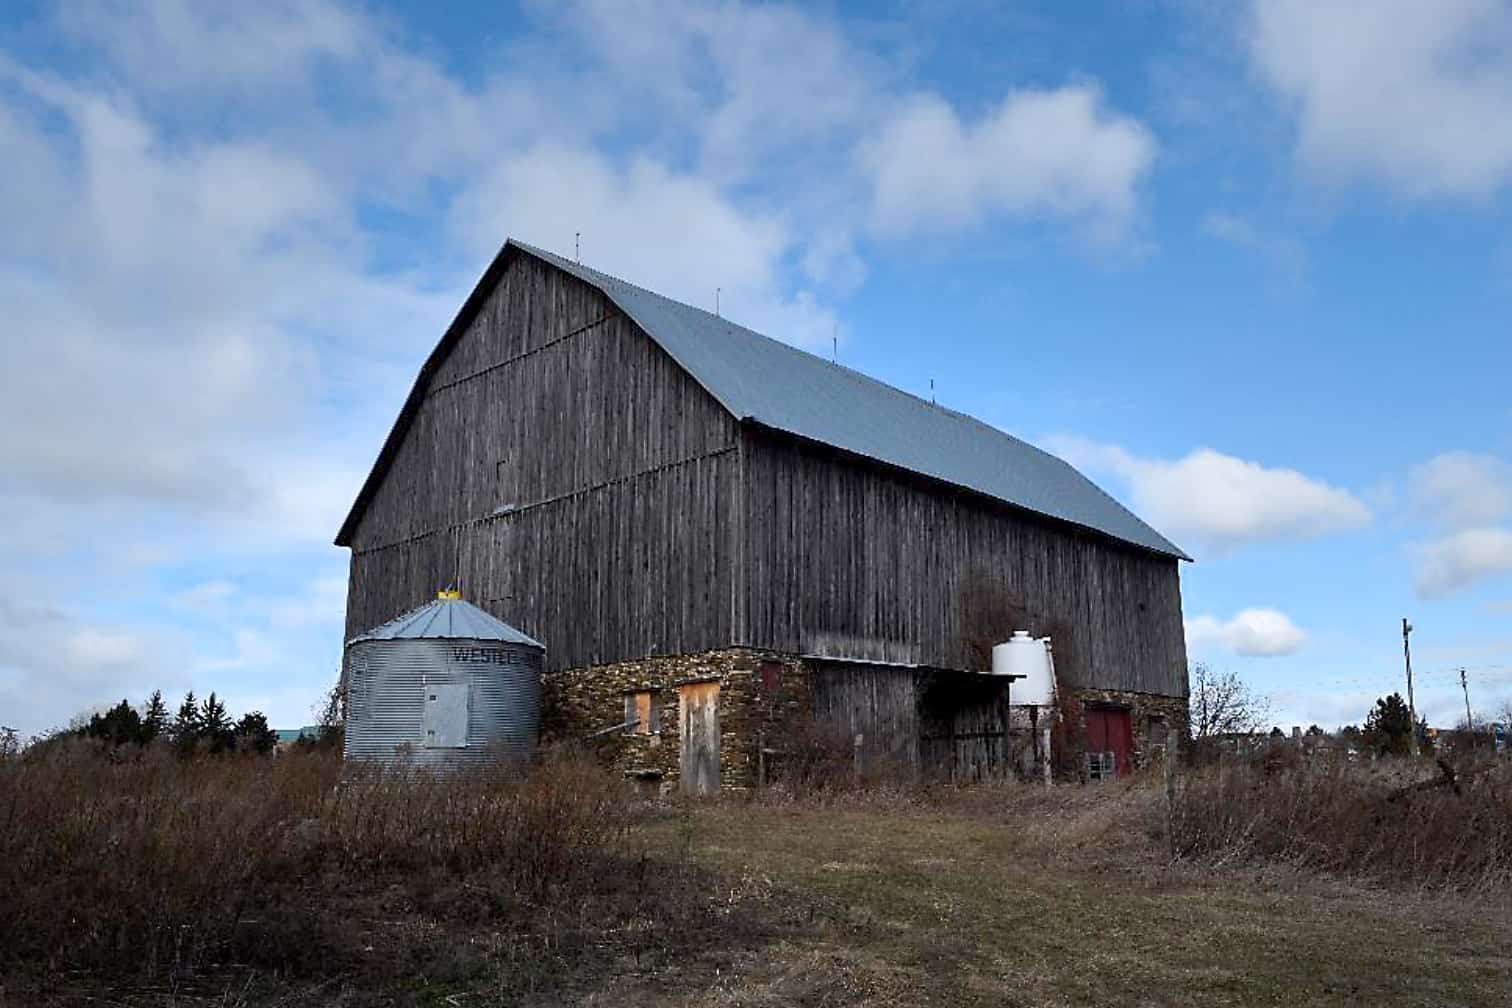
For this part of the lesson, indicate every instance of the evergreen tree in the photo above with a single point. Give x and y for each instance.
(117, 726)
(154, 718)
(253, 734)
(186, 726)
(215, 725)
(1389, 728)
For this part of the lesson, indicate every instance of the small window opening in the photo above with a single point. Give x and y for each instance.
(771, 676)
(1101, 766)
(642, 713)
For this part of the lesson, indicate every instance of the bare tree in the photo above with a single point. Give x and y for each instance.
(1222, 704)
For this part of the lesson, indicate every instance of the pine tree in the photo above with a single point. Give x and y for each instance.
(1388, 729)
(215, 725)
(154, 718)
(117, 726)
(253, 734)
(186, 726)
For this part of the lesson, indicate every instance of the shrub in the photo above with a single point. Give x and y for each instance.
(132, 865)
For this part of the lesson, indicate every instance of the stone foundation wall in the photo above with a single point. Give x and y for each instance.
(759, 692)
(1144, 709)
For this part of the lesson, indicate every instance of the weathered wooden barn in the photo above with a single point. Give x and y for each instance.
(718, 536)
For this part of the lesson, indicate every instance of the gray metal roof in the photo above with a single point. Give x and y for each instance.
(759, 379)
(447, 619)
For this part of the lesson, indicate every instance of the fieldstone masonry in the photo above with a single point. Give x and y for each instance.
(761, 692)
(1150, 715)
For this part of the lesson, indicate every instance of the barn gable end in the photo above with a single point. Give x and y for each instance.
(542, 438)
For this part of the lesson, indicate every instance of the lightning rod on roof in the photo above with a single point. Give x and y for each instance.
(716, 302)
(931, 390)
(577, 247)
(835, 343)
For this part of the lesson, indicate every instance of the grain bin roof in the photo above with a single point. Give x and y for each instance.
(447, 619)
(769, 383)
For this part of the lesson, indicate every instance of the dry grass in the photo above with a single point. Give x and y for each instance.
(159, 875)
(1353, 818)
(257, 883)
(1015, 895)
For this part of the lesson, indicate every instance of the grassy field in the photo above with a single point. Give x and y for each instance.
(931, 906)
(245, 884)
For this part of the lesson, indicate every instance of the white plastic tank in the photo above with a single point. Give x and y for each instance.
(1023, 655)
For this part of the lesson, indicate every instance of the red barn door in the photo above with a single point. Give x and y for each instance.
(1110, 742)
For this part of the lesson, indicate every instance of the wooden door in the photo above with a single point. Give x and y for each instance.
(1110, 741)
(698, 737)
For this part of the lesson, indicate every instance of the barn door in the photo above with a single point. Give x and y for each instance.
(1110, 742)
(698, 736)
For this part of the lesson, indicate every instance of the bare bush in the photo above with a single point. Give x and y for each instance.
(814, 760)
(137, 866)
(1221, 704)
(1387, 820)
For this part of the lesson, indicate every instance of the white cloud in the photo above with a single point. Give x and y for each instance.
(1055, 153)
(1219, 501)
(1464, 495)
(1460, 490)
(1462, 558)
(1410, 94)
(677, 234)
(1253, 633)
(53, 665)
(760, 80)
(220, 49)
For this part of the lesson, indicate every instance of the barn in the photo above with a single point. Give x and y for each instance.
(719, 537)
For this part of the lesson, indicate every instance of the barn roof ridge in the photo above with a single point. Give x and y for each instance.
(1047, 484)
(776, 385)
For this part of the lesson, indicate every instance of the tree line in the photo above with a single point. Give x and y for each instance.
(198, 726)
(1222, 705)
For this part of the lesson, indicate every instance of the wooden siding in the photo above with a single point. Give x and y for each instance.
(876, 702)
(580, 485)
(572, 479)
(846, 560)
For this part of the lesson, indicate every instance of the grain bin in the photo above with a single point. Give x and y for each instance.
(445, 685)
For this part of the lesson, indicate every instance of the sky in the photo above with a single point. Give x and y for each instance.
(1246, 264)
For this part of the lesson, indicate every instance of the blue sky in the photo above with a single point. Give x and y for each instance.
(1243, 263)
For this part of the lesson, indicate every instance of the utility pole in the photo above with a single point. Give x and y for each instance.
(1411, 703)
(1469, 724)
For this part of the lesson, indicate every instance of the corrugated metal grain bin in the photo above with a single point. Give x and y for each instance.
(445, 685)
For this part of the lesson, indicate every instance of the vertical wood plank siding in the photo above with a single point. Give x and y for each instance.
(876, 702)
(615, 472)
(846, 560)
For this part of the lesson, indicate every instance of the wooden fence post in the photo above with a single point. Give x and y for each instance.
(1170, 783)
